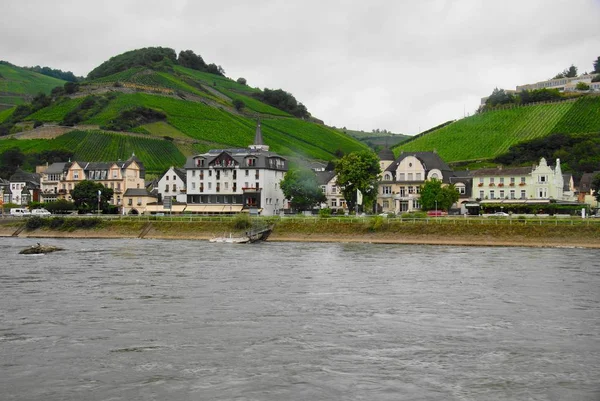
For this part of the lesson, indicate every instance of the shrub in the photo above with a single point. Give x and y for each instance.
(242, 221)
(56, 223)
(376, 223)
(325, 212)
(34, 222)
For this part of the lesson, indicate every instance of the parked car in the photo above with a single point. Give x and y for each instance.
(19, 212)
(501, 214)
(40, 212)
(436, 213)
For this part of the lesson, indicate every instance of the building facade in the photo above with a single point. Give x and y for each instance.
(59, 179)
(173, 183)
(401, 180)
(236, 180)
(24, 187)
(333, 193)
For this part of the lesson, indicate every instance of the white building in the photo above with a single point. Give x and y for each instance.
(236, 180)
(173, 184)
(335, 198)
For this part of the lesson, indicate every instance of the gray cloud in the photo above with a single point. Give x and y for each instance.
(402, 66)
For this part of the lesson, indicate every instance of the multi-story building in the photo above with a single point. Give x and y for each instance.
(234, 180)
(521, 184)
(401, 179)
(562, 84)
(24, 187)
(173, 184)
(59, 179)
(335, 198)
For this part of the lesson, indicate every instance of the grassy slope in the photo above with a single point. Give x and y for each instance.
(157, 155)
(4, 114)
(489, 134)
(17, 84)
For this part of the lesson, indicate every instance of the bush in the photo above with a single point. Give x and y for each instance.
(376, 223)
(34, 222)
(241, 81)
(56, 223)
(242, 221)
(325, 212)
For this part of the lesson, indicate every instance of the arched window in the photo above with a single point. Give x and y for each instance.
(387, 177)
(435, 175)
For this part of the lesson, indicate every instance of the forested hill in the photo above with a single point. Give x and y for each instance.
(152, 103)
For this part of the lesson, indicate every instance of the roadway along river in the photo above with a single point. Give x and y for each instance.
(191, 320)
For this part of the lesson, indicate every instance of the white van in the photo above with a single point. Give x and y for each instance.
(40, 212)
(19, 212)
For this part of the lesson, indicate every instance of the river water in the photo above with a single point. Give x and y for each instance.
(192, 320)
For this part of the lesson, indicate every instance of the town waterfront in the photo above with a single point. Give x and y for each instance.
(127, 319)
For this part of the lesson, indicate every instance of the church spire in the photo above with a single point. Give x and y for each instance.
(258, 139)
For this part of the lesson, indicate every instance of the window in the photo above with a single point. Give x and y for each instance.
(416, 204)
(410, 176)
(323, 188)
(386, 189)
(174, 178)
(419, 176)
(502, 194)
(166, 188)
(512, 194)
(130, 201)
(512, 180)
(210, 185)
(492, 195)
(386, 204)
(174, 187)
(491, 180)
(523, 196)
(226, 173)
(247, 173)
(522, 180)
(139, 201)
(461, 190)
(76, 174)
(193, 185)
(193, 173)
(481, 195)
(387, 177)
(481, 180)
(226, 185)
(334, 202)
(502, 180)
(402, 177)
(210, 173)
(167, 177)
(411, 190)
(402, 191)
(334, 189)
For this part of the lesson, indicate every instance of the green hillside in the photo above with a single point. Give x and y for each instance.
(489, 134)
(163, 104)
(18, 86)
(156, 154)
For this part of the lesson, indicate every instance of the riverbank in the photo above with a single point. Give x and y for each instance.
(431, 232)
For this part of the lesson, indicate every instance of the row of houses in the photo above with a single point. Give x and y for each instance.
(248, 180)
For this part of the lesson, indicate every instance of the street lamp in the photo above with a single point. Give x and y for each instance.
(436, 213)
(99, 195)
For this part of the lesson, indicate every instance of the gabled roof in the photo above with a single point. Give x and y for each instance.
(324, 177)
(57, 168)
(138, 192)
(181, 173)
(386, 154)
(502, 171)
(24, 176)
(585, 184)
(430, 160)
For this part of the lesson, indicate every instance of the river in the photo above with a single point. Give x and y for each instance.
(191, 320)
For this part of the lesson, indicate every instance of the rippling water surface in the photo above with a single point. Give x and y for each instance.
(183, 320)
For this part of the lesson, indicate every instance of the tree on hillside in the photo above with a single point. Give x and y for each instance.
(85, 196)
(570, 72)
(358, 171)
(189, 59)
(499, 96)
(241, 81)
(435, 196)
(10, 160)
(238, 104)
(145, 57)
(596, 186)
(300, 186)
(597, 66)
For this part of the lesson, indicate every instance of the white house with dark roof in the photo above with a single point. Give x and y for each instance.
(136, 200)
(173, 183)
(24, 187)
(402, 178)
(335, 198)
(236, 180)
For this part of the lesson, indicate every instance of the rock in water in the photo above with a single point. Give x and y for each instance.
(38, 248)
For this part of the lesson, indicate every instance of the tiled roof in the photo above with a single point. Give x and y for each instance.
(138, 192)
(323, 177)
(503, 172)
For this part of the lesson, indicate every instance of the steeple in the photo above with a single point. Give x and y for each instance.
(258, 139)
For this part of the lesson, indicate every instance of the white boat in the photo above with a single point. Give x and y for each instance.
(230, 239)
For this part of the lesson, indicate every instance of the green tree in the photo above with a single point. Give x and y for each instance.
(85, 196)
(582, 86)
(241, 81)
(596, 186)
(436, 196)
(10, 160)
(238, 104)
(300, 186)
(499, 96)
(597, 66)
(358, 171)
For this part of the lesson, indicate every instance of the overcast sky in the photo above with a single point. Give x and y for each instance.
(404, 66)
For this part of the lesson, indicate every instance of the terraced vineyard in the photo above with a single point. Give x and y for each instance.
(56, 112)
(4, 114)
(490, 134)
(157, 155)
